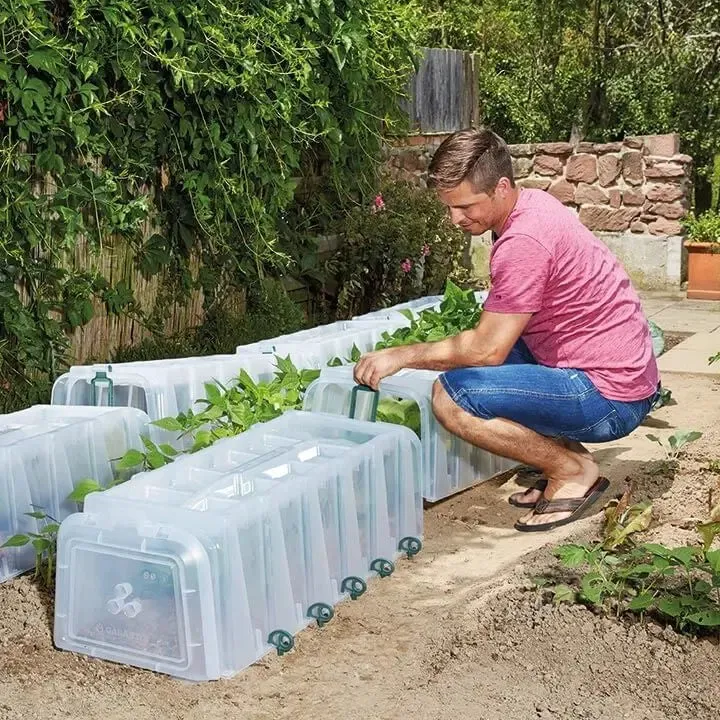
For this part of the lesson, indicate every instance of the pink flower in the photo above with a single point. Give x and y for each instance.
(406, 265)
(425, 250)
(379, 203)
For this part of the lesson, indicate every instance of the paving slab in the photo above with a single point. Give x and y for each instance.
(682, 317)
(654, 306)
(691, 355)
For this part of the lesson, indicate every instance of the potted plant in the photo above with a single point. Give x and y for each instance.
(703, 245)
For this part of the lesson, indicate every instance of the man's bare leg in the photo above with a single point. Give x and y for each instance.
(570, 471)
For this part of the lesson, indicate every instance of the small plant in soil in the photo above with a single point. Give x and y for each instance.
(676, 584)
(676, 443)
(44, 544)
(715, 358)
(665, 398)
(45, 541)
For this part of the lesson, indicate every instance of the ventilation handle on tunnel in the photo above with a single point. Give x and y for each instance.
(365, 406)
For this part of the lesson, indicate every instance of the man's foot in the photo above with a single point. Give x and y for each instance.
(528, 498)
(575, 507)
(573, 481)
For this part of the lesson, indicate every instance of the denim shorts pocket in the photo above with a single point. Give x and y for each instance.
(631, 414)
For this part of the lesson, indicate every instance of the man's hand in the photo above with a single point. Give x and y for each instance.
(488, 344)
(374, 366)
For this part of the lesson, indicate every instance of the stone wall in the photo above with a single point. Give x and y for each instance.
(641, 185)
(632, 193)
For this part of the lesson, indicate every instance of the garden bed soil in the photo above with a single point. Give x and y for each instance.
(458, 632)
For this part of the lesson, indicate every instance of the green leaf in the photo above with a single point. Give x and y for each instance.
(168, 450)
(684, 555)
(592, 585)
(155, 459)
(654, 438)
(658, 550)
(42, 544)
(131, 459)
(16, 541)
(642, 570)
(669, 606)
(563, 594)
(83, 489)
(149, 444)
(713, 558)
(212, 413)
(572, 555)
(169, 423)
(37, 514)
(202, 440)
(641, 602)
(705, 618)
(683, 437)
(44, 59)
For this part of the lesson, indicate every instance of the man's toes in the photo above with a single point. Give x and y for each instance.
(535, 519)
(531, 496)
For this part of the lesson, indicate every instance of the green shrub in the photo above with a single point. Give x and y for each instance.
(703, 228)
(398, 246)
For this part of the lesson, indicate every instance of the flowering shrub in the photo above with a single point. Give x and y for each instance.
(399, 246)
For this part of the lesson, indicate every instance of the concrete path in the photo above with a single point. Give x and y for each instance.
(677, 314)
(700, 319)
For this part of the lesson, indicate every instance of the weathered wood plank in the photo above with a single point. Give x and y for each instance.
(443, 94)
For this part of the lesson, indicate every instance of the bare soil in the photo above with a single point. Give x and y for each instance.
(675, 338)
(457, 632)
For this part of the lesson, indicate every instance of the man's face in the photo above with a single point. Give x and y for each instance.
(474, 212)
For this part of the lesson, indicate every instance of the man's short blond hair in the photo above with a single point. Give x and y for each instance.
(476, 155)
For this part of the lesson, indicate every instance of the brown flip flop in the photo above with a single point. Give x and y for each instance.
(575, 506)
(540, 484)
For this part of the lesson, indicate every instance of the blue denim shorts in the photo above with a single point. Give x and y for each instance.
(555, 402)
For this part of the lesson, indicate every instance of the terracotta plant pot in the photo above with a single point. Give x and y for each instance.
(703, 270)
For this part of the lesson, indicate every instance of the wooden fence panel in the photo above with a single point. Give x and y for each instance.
(97, 340)
(443, 94)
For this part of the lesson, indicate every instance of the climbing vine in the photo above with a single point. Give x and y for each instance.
(180, 129)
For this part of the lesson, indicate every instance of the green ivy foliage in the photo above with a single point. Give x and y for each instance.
(197, 119)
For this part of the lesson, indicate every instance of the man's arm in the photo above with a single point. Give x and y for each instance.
(487, 344)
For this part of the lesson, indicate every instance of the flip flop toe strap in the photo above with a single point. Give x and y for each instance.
(545, 506)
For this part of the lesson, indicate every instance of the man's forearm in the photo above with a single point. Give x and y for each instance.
(462, 350)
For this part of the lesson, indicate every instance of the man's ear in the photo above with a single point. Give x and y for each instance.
(503, 187)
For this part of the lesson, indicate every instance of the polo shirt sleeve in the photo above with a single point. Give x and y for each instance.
(519, 271)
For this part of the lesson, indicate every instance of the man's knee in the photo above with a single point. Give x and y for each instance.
(443, 406)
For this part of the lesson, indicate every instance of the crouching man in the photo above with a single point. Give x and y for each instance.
(562, 354)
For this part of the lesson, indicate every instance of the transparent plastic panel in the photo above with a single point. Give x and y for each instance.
(449, 464)
(139, 596)
(283, 520)
(15, 501)
(45, 451)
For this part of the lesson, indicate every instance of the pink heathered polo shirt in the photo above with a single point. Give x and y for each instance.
(586, 314)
